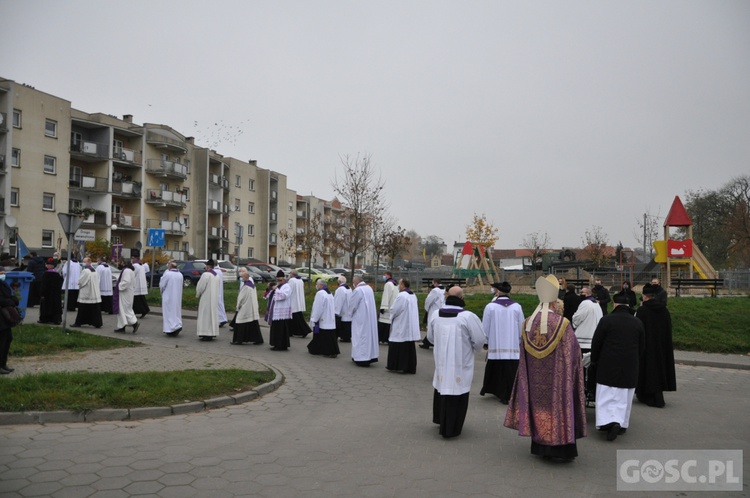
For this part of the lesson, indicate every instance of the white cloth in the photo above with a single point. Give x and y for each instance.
(585, 320)
(298, 294)
(88, 285)
(247, 305)
(222, 309)
(455, 340)
(75, 272)
(322, 311)
(613, 404)
(364, 323)
(141, 286)
(390, 291)
(207, 291)
(435, 300)
(405, 318)
(171, 287)
(502, 326)
(282, 302)
(105, 279)
(341, 298)
(125, 315)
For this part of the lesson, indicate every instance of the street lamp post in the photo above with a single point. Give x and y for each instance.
(70, 225)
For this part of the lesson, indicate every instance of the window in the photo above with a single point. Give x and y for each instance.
(186, 193)
(48, 201)
(76, 175)
(186, 163)
(15, 158)
(236, 204)
(252, 184)
(237, 181)
(250, 252)
(47, 237)
(14, 197)
(76, 204)
(251, 207)
(163, 186)
(117, 149)
(291, 207)
(289, 224)
(16, 118)
(185, 247)
(50, 128)
(251, 230)
(186, 221)
(50, 165)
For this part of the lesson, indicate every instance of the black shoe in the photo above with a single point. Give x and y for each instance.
(6, 367)
(613, 432)
(120, 330)
(4, 371)
(135, 327)
(144, 314)
(622, 431)
(75, 325)
(424, 346)
(222, 324)
(174, 334)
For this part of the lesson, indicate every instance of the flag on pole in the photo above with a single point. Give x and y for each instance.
(22, 249)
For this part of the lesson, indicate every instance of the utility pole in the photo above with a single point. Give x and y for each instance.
(644, 234)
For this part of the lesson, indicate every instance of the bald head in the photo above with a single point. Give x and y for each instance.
(586, 291)
(357, 279)
(456, 291)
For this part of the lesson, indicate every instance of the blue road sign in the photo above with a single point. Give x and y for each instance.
(155, 237)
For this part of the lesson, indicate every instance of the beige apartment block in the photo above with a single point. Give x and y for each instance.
(124, 179)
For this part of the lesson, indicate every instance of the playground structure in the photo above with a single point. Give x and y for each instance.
(681, 258)
(475, 263)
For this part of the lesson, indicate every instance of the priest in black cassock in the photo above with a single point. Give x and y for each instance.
(656, 372)
(50, 308)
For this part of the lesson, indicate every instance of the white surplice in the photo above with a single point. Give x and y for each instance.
(298, 294)
(364, 323)
(125, 315)
(171, 287)
(503, 325)
(207, 290)
(405, 318)
(322, 311)
(341, 298)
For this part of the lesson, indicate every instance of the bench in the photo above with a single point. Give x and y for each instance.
(445, 282)
(578, 282)
(712, 284)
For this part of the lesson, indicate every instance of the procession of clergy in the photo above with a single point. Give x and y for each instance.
(534, 365)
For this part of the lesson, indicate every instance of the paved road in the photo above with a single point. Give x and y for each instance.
(333, 429)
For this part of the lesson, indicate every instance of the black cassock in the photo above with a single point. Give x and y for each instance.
(50, 309)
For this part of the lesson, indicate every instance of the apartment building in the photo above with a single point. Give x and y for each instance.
(125, 178)
(328, 219)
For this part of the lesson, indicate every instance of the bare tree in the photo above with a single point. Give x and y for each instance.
(595, 246)
(313, 237)
(432, 245)
(361, 192)
(287, 245)
(537, 244)
(396, 243)
(647, 232)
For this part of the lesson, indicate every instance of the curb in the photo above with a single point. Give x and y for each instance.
(141, 413)
(712, 364)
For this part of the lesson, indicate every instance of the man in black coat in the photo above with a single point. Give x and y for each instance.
(618, 342)
(602, 295)
(571, 300)
(35, 267)
(657, 373)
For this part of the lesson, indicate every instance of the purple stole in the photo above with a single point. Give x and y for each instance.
(449, 312)
(503, 301)
(249, 282)
(392, 281)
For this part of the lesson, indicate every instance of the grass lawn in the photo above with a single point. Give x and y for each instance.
(81, 391)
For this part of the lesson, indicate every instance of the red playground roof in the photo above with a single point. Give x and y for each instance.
(678, 216)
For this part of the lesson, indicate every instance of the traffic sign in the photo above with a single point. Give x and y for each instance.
(155, 237)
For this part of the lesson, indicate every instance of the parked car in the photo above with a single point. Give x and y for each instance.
(341, 271)
(314, 274)
(260, 275)
(268, 267)
(191, 272)
(228, 270)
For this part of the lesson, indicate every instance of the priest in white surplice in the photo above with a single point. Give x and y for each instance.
(280, 312)
(71, 283)
(433, 302)
(323, 323)
(125, 286)
(364, 324)
(390, 291)
(246, 320)
(402, 353)
(105, 284)
(502, 321)
(140, 306)
(456, 335)
(207, 290)
(341, 308)
(171, 285)
(299, 328)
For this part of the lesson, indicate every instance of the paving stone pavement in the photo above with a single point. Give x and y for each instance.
(333, 429)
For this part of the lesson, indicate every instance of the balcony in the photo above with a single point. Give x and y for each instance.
(216, 233)
(171, 227)
(127, 157)
(88, 183)
(2, 205)
(214, 207)
(3, 122)
(166, 169)
(89, 151)
(272, 239)
(216, 181)
(2, 164)
(163, 142)
(301, 214)
(95, 220)
(166, 198)
(125, 221)
(273, 217)
(126, 189)
(274, 196)
(225, 183)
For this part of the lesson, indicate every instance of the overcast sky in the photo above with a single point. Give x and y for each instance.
(548, 116)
